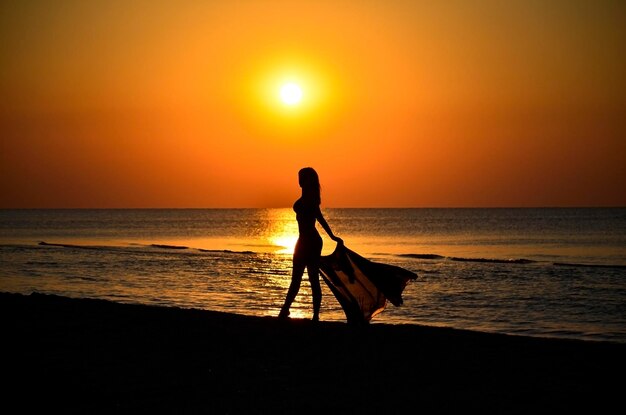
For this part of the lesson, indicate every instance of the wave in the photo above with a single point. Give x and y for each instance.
(508, 261)
(462, 259)
(168, 246)
(494, 260)
(226, 251)
(422, 256)
(136, 245)
(570, 264)
(43, 243)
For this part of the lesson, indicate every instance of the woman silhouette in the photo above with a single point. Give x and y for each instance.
(309, 246)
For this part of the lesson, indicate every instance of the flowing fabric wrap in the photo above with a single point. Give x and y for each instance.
(361, 286)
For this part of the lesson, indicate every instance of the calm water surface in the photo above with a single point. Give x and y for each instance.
(541, 272)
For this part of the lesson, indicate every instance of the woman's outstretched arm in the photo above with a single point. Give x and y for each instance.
(320, 218)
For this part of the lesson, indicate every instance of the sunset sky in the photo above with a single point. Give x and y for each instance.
(404, 103)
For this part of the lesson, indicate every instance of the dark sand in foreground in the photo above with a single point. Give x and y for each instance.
(93, 356)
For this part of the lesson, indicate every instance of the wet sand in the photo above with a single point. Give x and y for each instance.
(94, 356)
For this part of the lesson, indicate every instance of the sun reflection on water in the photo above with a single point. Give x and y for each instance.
(285, 243)
(283, 234)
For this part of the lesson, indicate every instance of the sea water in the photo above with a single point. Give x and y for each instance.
(550, 272)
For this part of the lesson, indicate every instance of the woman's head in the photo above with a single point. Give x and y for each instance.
(310, 183)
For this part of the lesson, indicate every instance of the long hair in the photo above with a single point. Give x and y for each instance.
(310, 184)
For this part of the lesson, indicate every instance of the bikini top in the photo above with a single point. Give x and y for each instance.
(306, 214)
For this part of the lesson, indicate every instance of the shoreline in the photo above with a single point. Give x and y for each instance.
(98, 356)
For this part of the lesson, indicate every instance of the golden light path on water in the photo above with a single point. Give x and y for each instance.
(284, 232)
(286, 243)
(281, 233)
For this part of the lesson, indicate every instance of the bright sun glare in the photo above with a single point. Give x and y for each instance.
(290, 93)
(285, 243)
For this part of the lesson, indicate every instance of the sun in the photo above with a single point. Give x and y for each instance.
(290, 93)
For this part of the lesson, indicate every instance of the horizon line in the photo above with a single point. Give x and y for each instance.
(326, 207)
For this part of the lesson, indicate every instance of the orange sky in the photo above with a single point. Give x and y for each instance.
(405, 103)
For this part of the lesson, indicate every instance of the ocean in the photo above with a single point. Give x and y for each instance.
(547, 272)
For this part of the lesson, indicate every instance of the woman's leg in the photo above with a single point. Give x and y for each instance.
(296, 278)
(313, 271)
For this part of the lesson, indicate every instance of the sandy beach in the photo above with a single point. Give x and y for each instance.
(95, 356)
